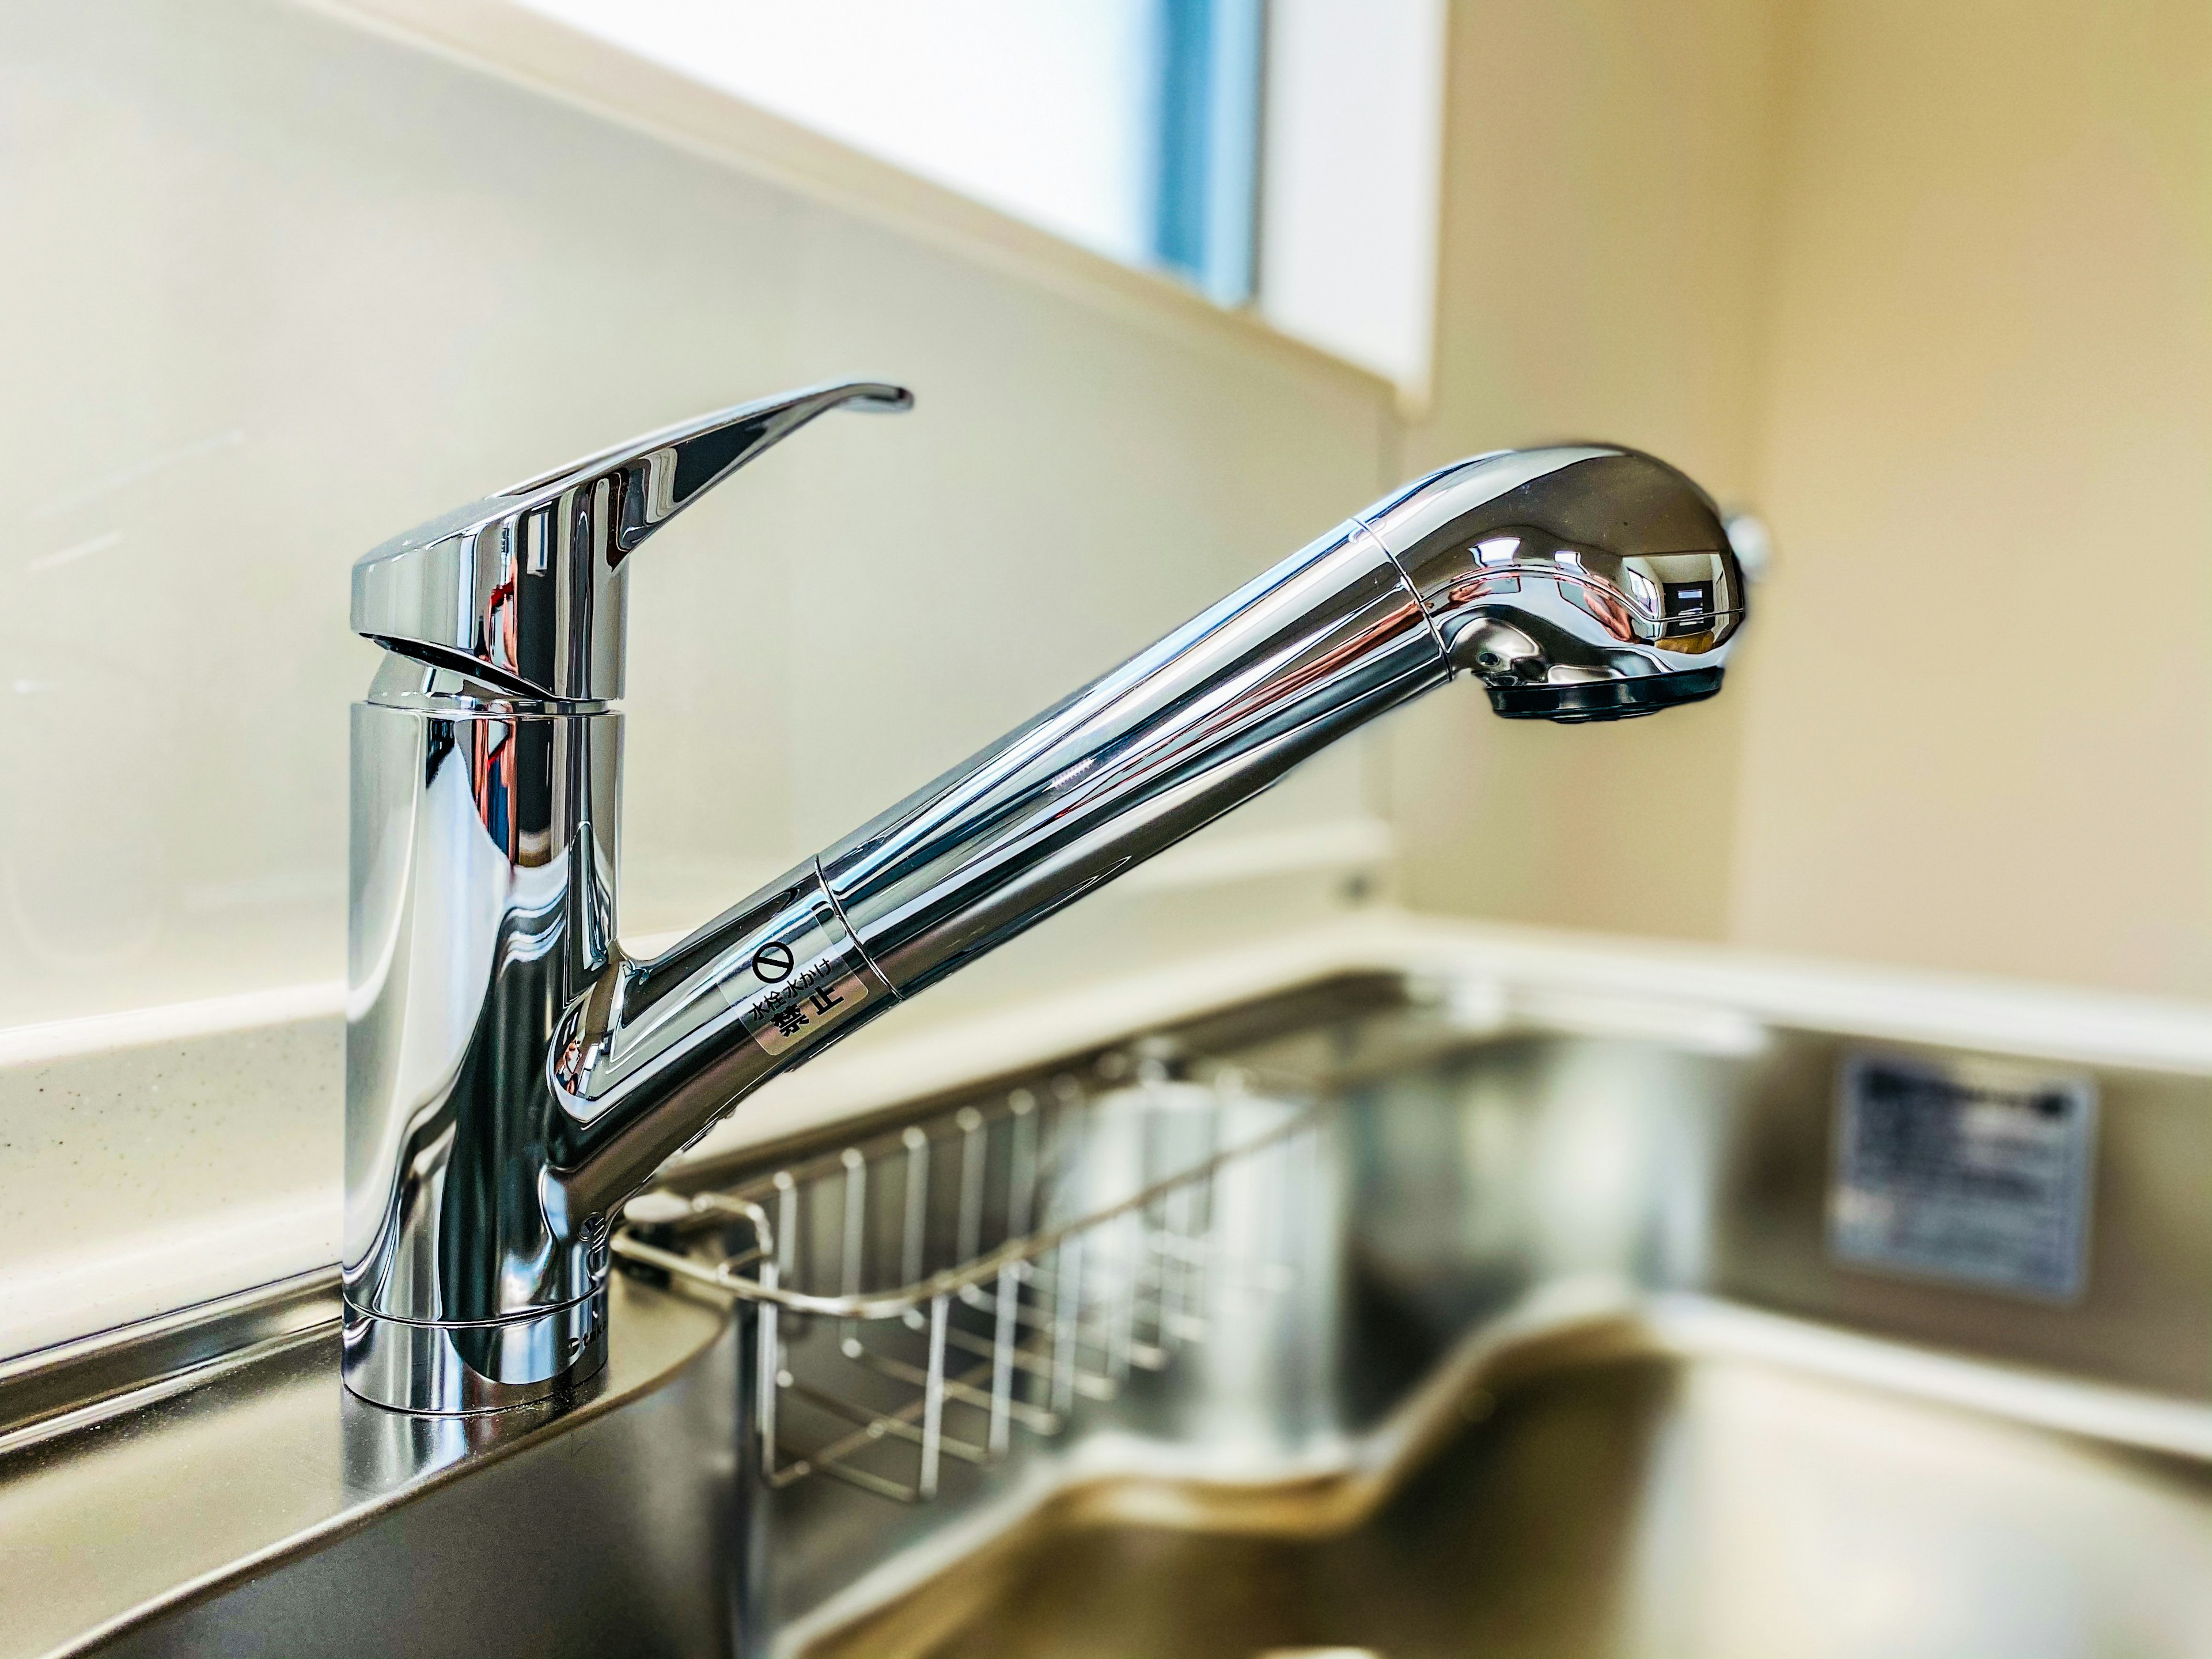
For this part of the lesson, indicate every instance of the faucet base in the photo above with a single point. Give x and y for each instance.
(459, 1370)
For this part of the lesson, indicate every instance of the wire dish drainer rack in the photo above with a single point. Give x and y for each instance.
(926, 1291)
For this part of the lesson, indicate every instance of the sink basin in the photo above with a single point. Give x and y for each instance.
(1619, 1492)
(1592, 1380)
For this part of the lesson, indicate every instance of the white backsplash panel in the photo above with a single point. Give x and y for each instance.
(285, 287)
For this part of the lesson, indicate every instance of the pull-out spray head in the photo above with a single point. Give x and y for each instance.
(1579, 583)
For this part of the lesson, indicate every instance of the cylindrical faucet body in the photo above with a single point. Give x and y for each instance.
(512, 1076)
(483, 856)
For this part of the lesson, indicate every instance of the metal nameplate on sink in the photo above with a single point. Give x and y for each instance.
(1977, 1170)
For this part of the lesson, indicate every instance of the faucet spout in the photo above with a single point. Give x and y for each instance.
(1175, 737)
(513, 1075)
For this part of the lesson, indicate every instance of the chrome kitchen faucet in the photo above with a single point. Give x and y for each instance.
(511, 1075)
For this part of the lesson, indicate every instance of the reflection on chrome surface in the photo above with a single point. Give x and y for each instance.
(512, 1076)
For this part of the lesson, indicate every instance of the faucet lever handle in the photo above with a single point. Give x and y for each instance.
(523, 590)
(665, 471)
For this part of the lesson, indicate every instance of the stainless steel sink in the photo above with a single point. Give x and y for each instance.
(1548, 1351)
(1619, 1492)
(1592, 1381)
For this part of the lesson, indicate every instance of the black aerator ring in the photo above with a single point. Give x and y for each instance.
(1605, 700)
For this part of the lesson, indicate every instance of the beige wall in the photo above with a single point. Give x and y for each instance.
(1979, 703)
(1607, 173)
(1931, 286)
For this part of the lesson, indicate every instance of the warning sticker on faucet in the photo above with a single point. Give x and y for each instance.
(1976, 1170)
(799, 978)
(814, 995)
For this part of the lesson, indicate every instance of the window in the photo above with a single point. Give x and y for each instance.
(1276, 154)
(1354, 155)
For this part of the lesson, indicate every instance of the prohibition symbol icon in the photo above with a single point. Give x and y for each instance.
(772, 962)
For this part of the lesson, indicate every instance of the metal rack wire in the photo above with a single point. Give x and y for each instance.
(925, 1293)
